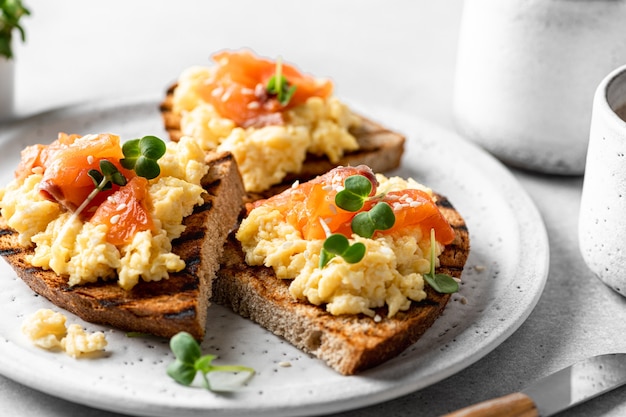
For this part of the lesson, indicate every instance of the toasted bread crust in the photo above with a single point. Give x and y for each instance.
(161, 308)
(348, 343)
(379, 148)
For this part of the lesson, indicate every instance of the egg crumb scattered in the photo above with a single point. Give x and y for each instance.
(47, 329)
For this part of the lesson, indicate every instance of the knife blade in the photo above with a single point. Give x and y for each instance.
(556, 392)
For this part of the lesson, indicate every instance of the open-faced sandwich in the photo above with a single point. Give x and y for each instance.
(351, 267)
(127, 235)
(280, 124)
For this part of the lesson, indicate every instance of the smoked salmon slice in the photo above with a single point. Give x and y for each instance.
(237, 89)
(66, 169)
(305, 206)
(125, 212)
(65, 165)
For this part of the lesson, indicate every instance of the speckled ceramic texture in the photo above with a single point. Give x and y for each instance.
(526, 74)
(602, 218)
(502, 282)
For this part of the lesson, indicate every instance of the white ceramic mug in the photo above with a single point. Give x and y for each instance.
(602, 221)
(526, 74)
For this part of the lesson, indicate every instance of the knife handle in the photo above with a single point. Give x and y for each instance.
(512, 405)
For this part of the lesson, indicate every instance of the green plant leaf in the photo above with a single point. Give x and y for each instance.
(147, 168)
(130, 149)
(11, 13)
(380, 217)
(339, 245)
(354, 253)
(185, 348)
(325, 257)
(97, 177)
(189, 361)
(142, 156)
(336, 244)
(181, 372)
(442, 283)
(152, 147)
(278, 85)
(357, 189)
(203, 364)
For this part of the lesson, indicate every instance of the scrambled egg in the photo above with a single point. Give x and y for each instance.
(391, 273)
(46, 329)
(265, 155)
(80, 249)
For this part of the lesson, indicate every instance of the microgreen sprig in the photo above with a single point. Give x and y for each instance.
(278, 85)
(142, 156)
(380, 217)
(442, 283)
(108, 175)
(338, 244)
(102, 180)
(357, 190)
(189, 361)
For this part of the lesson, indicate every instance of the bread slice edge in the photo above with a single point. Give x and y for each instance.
(349, 344)
(161, 308)
(379, 148)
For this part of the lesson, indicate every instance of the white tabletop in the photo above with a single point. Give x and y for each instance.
(398, 54)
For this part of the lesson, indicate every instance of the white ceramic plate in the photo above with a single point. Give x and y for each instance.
(503, 281)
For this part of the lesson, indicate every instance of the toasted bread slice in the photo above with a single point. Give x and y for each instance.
(161, 308)
(379, 148)
(348, 343)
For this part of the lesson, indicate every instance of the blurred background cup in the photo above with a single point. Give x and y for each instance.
(602, 221)
(6, 88)
(526, 74)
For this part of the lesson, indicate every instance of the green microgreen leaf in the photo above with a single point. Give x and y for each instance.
(357, 189)
(185, 348)
(142, 156)
(131, 152)
(189, 361)
(442, 283)
(338, 245)
(278, 85)
(380, 217)
(152, 147)
(147, 168)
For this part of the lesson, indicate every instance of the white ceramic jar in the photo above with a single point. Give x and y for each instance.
(526, 75)
(602, 218)
(6, 88)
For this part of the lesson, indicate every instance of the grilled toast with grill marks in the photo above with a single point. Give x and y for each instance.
(165, 307)
(348, 343)
(379, 148)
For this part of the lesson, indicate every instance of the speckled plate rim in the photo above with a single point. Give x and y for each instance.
(503, 281)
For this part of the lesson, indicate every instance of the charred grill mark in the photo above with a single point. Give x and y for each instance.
(188, 237)
(190, 286)
(5, 232)
(192, 265)
(451, 268)
(443, 202)
(10, 252)
(203, 207)
(460, 227)
(108, 303)
(181, 315)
